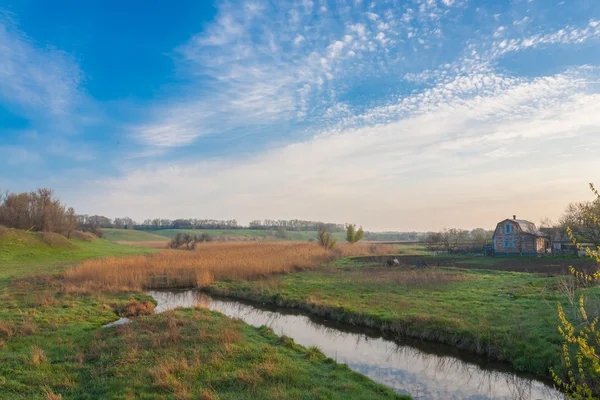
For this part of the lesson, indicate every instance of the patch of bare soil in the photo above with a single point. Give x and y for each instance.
(542, 265)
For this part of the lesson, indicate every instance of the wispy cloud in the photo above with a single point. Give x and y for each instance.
(36, 80)
(457, 136)
(264, 63)
(17, 156)
(455, 156)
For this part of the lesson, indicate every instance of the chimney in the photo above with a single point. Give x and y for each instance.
(514, 217)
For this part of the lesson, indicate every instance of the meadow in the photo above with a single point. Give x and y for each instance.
(53, 346)
(208, 263)
(505, 315)
(24, 252)
(232, 234)
(55, 298)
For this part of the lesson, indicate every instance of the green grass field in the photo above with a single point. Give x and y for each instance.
(27, 252)
(158, 235)
(128, 235)
(53, 346)
(506, 315)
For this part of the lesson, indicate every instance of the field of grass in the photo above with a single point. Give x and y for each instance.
(505, 315)
(53, 346)
(28, 252)
(208, 262)
(128, 235)
(250, 234)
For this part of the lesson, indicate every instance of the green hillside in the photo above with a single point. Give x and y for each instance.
(127, 235)
(22, 252)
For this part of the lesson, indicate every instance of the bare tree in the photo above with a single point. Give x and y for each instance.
(450, 238)
(580, 218)
(433, 240)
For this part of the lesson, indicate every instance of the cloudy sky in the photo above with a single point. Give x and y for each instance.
(397, 115)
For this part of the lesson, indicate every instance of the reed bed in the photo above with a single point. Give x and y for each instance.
(201, 267)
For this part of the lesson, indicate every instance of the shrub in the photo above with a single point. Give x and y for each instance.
(353, 235)
(134, 308)
(581, 348)
(326, 239)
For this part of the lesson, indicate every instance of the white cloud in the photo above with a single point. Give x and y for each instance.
(461, 134)
(460, 147)
(36, 79)
(336, 48)
(372, 16)
(567, 35)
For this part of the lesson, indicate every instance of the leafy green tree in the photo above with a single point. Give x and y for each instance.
(326, 239)
(353, 235)
(581, 347)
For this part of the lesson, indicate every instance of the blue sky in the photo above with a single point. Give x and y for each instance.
(417, 114)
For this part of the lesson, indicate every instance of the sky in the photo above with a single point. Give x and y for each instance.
(395, 115)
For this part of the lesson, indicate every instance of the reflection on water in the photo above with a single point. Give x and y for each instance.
(422, 371)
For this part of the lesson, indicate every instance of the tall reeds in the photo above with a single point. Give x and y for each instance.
(207, 263)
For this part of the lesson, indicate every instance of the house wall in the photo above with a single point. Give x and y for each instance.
(541, 245)
(514, 242)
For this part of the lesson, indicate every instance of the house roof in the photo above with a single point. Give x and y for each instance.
(527, 227)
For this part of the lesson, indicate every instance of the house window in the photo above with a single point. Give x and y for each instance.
(507, 228)
(509, 243)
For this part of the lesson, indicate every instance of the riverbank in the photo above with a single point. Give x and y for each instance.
(53, 346)
(428, 371)
(503, 315)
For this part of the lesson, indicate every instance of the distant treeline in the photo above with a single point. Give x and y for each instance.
(42, 211)
(296, 225)
(193, 223)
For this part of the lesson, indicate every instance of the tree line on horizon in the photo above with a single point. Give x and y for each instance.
(42, 211)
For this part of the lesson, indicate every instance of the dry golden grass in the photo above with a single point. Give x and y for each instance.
(85, 236)
(38, 356)
(134, 308)
(209, 262)
(5, 330)
(50, 395)
(363, 249)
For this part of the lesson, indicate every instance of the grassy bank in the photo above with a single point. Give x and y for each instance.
(202, 354)
(506, 315)
(53, 346)
(24, 252)
(130, 235)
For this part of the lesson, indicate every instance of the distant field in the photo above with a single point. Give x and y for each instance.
(159, 235)
(127, 235)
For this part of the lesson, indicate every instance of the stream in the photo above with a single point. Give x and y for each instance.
(424, 370)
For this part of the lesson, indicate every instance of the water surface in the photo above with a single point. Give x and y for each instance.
(425, 371)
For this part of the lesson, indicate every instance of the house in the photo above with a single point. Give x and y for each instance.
(518, 236)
